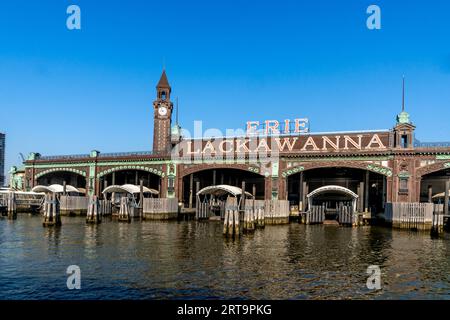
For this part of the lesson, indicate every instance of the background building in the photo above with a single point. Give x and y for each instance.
(2, 159)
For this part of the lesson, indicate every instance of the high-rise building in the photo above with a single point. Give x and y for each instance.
(2, 159)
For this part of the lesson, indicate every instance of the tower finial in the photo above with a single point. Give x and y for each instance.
(403, 94)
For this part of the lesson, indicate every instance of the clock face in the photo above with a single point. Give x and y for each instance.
(162, 111)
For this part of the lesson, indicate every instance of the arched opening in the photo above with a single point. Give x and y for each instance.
(192, 183)
(433, 184)
(337, 196)
(213, 199)
(133, 177)
(369, 186)
(163, 95)
(60, 177)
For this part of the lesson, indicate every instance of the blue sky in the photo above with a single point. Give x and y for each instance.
(64, 92)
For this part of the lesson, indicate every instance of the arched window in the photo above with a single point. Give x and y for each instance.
(163, 95)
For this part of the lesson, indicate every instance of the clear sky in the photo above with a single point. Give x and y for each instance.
(228, 61)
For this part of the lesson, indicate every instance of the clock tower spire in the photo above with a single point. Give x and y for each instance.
(162, 118)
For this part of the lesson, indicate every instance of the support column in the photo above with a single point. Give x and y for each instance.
(164, 183)
(105, 185)
(141, 197)
(447, 187)
(360, 206)
(282, 188)
(389, 189)
(136, 178)
(430, 194)
(191, 189)
(300, 193)
(366, 192)
(197, 189)
(254, 191)
(221, 179)
(267, 188)
(114, 178)
(243, 195)
(305, 188)
(214, 177)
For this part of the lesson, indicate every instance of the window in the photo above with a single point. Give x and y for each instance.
(403, 185)
(404, 141)
(163, 95)
(171, 184)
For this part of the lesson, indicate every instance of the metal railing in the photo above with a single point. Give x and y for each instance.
(100, 155)
(125, 154)
(69, 156)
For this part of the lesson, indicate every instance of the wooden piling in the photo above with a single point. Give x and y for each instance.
(93, 214)
(52, 215)
(260, 217)
(236, 222)
(12, 206)
(231, 226)
(249, 218)
(225, 221)
(243, 195)
(124, 213)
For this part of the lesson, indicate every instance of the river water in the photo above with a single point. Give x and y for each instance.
(192, 260)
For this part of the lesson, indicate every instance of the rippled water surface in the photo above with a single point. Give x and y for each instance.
(192, 260)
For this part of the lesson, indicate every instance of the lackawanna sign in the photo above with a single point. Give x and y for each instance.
(342, 142)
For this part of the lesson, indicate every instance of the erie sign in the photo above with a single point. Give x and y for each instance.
(275, 127)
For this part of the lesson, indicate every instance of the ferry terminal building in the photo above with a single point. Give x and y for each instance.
(378, 166)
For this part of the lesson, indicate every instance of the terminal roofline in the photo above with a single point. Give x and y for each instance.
(292, 135)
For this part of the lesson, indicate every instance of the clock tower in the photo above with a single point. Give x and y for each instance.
(162, 116)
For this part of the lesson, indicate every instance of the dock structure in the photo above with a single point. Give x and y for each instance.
(160, 209)
(13, 202)
(418, 216)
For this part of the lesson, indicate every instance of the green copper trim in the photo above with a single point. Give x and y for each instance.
(99, 164)
(404, 175)
(443, 157)
(292, 171)
(253, 169)
(142, 168)
(43, 173)
(381, 170)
